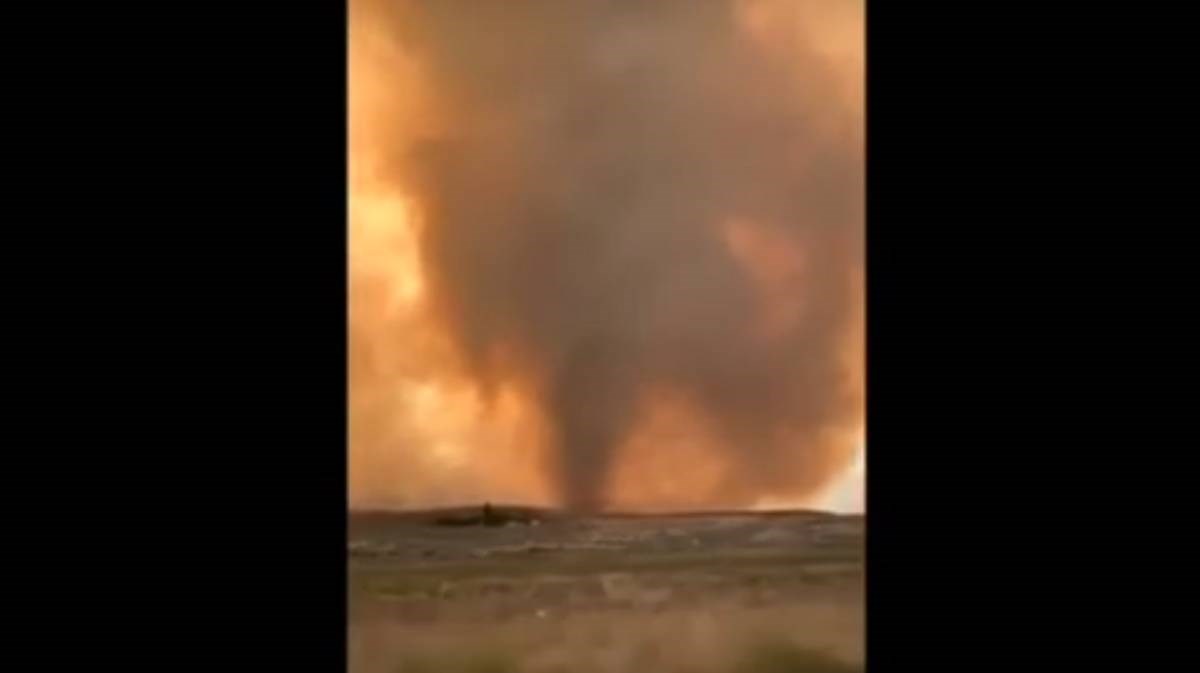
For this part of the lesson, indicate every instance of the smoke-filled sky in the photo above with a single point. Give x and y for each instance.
(606, 253)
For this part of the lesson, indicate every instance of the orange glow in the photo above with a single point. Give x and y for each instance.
(423, 430)
(833, 30)
(776, 265)
(670, 461)
(419, 431)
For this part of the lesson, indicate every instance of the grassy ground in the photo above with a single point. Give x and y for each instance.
(714, 594)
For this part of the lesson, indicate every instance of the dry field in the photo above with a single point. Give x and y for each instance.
(542, 592)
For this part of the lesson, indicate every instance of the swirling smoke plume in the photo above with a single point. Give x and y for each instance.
(606, 253)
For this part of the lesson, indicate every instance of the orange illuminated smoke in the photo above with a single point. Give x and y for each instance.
(605, 254)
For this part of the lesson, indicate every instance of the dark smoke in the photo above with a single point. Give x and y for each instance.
(573, 214)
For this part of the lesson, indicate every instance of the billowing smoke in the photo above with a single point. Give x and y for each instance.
(644, 220)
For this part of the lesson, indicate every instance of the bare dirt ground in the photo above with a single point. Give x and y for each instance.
(543, 592)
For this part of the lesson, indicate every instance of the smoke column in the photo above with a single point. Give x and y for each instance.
(636, 234)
